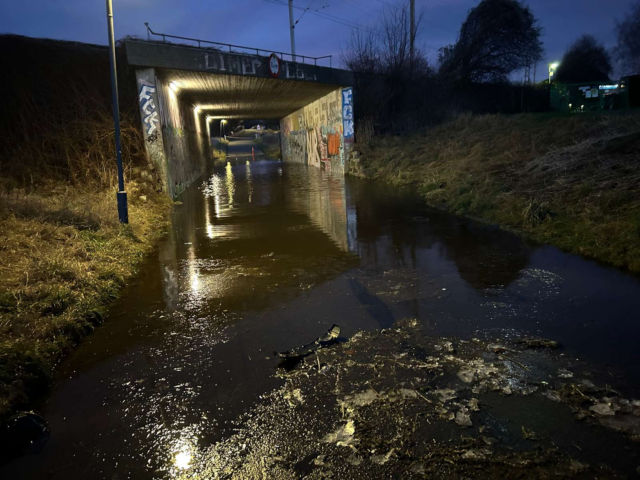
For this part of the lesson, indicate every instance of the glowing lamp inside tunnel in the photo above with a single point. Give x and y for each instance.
(174, 86)
(197, 109)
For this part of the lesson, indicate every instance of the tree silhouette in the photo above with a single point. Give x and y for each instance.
(627, 51)
(497, 38)
(585, 60)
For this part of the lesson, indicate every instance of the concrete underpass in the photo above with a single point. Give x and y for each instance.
(183, 90)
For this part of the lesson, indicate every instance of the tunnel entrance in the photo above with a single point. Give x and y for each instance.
(182, 89)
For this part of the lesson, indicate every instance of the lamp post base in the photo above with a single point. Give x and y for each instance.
(123, 209)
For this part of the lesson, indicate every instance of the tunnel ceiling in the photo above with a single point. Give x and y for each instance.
(235, 96)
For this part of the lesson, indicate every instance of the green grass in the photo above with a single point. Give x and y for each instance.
(64, 258)
(570, 181)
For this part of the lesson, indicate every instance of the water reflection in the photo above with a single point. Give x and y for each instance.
(396, 229)
(266, 256)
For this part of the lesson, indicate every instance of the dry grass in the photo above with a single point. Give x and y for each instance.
(64, 258)
(572, 181)
(220, 150)
(63, 254)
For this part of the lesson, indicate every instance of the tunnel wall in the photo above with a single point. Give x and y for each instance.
(321, 133)
(175, 135)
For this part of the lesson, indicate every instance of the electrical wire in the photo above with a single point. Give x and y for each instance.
(332, 18)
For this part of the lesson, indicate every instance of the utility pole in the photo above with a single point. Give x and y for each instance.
(123, 210)
(292, 27)
(412, 32)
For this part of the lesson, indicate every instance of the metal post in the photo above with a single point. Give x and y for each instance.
(123, 210)
(292, 28)
(412, 32)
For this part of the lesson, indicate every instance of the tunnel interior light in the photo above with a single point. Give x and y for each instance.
(197, 109)
(174, 86)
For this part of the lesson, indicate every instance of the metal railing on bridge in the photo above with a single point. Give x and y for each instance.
(235, 48)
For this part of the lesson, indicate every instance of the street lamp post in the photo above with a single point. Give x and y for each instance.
(552, 70)
(222, 122)
(123, 209)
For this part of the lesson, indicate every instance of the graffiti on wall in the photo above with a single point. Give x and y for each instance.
(347, 114)
(298, 147)
(321, 124)
(149, 109)
(237, 64)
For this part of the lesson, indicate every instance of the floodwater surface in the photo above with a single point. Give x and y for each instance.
(265, 256)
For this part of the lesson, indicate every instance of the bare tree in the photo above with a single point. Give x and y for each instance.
(386, 49)
(362, 53)
(627, 52)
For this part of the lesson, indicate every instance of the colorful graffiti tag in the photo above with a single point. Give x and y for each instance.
(347, 114)
(149, 109)
(321, 125)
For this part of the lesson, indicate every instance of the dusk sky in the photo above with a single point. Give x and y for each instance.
(264, 23)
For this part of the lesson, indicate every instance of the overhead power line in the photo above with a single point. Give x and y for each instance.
(331, 18)
(422, 20)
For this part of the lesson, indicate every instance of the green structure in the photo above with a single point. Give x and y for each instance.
(590, 96)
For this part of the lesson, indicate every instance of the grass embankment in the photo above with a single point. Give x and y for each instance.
(63, 254)
(269, 143)
(220, 150)
(571, 181)
(64, 258)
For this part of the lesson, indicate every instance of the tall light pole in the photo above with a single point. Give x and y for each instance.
(123, 209)
(222, 122)
(412, 32)
(292, 27)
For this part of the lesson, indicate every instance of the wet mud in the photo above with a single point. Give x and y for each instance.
(398, 404)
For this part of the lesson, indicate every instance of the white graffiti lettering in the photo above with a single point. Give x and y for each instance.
(149, 109)
(239, 64)
(347, 114)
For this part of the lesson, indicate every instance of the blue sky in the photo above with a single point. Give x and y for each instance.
(264, 24)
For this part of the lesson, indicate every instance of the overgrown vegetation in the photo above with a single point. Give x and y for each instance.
(571, 181)
(63, 255)
(399, 91)
(220, 150)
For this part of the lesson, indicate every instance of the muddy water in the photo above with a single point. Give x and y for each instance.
(263, 257)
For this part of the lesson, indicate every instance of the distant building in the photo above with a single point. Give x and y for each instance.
(596, 96)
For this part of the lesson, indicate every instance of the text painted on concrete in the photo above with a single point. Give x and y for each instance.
(347, 114)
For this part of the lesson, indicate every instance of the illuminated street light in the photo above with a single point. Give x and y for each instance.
(222, 122)
(552, 69)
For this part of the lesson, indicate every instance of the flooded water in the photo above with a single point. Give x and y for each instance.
(265, 256)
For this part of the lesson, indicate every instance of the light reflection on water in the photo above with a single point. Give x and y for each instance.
(264, 256)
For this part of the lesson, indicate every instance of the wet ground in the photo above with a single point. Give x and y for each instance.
(264, 256)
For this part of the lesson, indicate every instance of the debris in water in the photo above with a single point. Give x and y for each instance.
(326, 340)
(602, 409)
(564, 373)
(538, 342)
(343, 436)
(463, 418)
(529, 434)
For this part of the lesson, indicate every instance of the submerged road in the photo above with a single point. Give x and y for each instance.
(263, 257)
